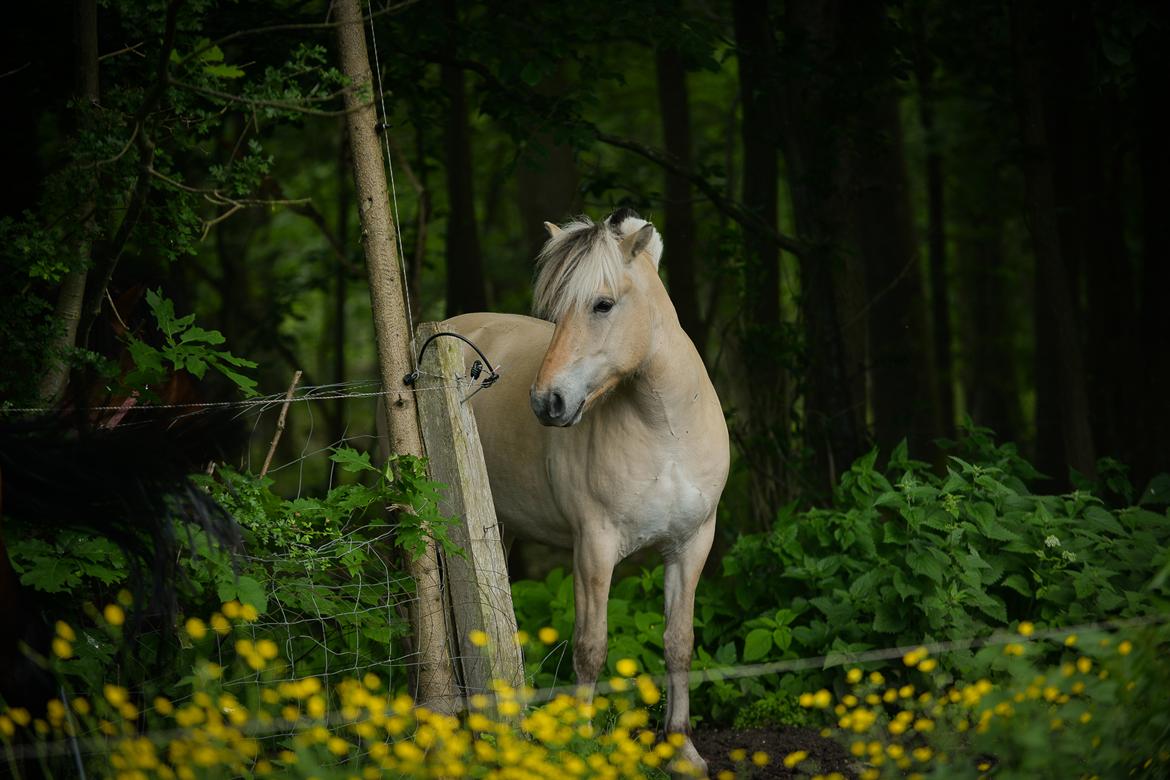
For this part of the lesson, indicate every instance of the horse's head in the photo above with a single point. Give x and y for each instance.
(595, 280)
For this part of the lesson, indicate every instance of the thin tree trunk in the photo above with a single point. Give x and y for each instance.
(398, 412)
(1052, 280)
(936, 229)
(341, 282)
(990, 379)
(679, 233)
(465, 285)
(71, 297)
(1152, 370)
(811, 135)
(901, 370)
(764, 435)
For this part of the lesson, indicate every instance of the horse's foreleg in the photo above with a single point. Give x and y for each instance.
(594, 557)
(681, 576)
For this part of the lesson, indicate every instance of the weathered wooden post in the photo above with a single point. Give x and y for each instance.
(399, 432)
(481, 598)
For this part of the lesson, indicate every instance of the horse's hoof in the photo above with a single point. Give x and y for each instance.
(687, 762)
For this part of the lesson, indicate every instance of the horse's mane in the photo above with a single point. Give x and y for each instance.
(584, 257)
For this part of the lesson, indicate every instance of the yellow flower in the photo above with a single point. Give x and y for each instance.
(928, 665)
(1084, 665)
(62, 648)
(1026, 628)
(915, 656)
(922, 754)
(220, 624)
(806, 699)
(163, 706)
(1070, 640)
(231, 609)
(627, 667)
(822, 699)
(760, 758)
(876, 678)
(338, 746)
(20, 716)
(1125, 647)
(65, 631)
(114, 615)
(268, 650)
(248, 613)
(548, 635)
(196, 628)
(737, 755)
(115, 694)
(80, 706)
(794, 758)
(478, 638)
(853, 676)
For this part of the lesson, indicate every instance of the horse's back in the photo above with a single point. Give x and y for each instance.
(513, 440)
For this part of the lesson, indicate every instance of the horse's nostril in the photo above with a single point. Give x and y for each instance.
(556, 404)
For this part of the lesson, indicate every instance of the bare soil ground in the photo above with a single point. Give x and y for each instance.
(824, 755)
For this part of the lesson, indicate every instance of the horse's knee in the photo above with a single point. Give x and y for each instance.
(677, 646)
(588, 656)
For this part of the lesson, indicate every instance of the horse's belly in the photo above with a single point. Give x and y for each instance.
(513, 441)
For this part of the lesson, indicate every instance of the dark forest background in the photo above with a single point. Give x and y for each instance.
(881, 219)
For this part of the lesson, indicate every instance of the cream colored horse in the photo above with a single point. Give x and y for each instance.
(604, 433)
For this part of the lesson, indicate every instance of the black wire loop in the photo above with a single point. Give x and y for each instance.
(488, 381)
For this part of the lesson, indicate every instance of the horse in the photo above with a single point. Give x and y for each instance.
(604, 433)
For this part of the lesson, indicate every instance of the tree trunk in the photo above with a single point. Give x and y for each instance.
(71, 297)
(940, 299)
(465, 285)
(679, 233)
(812, 138)
(1052, 281)
(901, 370)
(1151, 371)
(764, 435)
(398, 412)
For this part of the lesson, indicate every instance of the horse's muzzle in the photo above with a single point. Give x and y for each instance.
(550, 408)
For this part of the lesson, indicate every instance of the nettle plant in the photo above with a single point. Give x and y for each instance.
(907, 556)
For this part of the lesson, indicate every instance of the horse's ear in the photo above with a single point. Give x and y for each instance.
(553, 230)
(644, 239)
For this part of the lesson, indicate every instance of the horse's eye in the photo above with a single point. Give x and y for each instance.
(602, 306)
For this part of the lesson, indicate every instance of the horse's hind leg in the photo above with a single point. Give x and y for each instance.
(681, 576)
(594, 556)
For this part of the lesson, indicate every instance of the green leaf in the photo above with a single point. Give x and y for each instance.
(250, 591)
(922, 562)
(757, 644)
(1017, 583)
(223, 71)
(351, 460)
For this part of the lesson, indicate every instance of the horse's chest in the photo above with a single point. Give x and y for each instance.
(653, 504)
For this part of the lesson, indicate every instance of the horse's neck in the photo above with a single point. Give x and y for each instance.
(670, 395)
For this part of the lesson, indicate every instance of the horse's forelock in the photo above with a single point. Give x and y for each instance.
(573, 266)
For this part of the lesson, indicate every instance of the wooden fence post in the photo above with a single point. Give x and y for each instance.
(481, 597)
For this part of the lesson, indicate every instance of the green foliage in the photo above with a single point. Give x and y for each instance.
(63, 564)
(186, 347)
(907, 556)
(778, 708)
